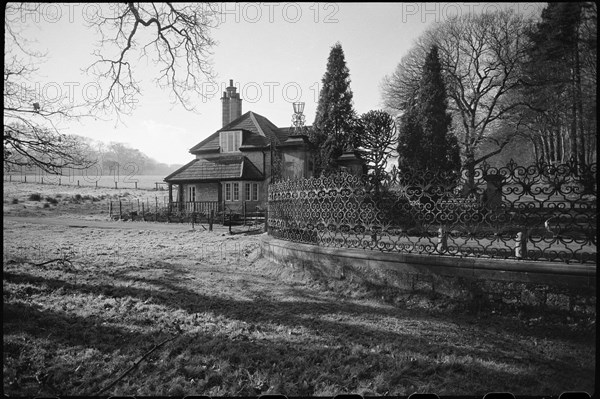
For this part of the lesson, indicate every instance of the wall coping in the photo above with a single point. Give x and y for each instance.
(439, 262)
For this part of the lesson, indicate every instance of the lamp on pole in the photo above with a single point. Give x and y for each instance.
(298, 119)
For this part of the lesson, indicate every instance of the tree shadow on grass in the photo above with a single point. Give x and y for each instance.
(351, 322)
(226, 365)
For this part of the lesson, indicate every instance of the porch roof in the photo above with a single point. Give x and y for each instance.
(236, 167)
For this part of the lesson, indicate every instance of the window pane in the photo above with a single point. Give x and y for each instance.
(255, 192)
(227, 191)
(236, 191)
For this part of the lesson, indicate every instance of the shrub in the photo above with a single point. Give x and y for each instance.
(15, 200)
(46, 205)
(52, 200)
(35, 197)
(78, 197)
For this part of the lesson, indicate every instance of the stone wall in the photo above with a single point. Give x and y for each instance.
(483, 283)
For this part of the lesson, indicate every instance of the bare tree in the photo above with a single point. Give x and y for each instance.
(31, 138)
(177, 40)
(481, 58)
(175, 37)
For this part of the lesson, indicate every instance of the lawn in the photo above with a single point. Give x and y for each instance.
(134, 308)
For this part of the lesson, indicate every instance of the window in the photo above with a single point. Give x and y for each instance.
(231, 141)
(247, 192)
(192, 193)
(236, 191)
(227, 191)
(255, 192)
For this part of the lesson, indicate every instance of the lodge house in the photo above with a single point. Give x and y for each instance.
(233, 166)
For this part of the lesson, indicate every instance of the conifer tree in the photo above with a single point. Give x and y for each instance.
(334, 126)
(425, 138)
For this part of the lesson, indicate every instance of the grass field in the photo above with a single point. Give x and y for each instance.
(133, 308)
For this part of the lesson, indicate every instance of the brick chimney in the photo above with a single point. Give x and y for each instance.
(232, 104)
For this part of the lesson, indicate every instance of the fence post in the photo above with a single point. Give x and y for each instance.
(110, 208)
(136, 185)
(59, 182)
(96, 183)
(244, 211)
(442, 244)
(230, 221)
(42, 179)
(266, 219)
(25, 178)
(155, 208)
(143, 214)
(77, 183)
(521, 244)
(115, 184)
(211, 219)
(120, 210)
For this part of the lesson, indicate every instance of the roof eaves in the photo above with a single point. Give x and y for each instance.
(184, 167)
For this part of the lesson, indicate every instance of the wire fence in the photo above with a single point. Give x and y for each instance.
(132, 182)
(538, 212)
(195, 212)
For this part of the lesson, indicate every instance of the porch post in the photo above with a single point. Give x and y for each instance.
(170, 195)
(180, 196)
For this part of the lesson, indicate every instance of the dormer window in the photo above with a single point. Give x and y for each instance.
(231, 141)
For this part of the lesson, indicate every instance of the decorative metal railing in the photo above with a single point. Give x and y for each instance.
(539, 212)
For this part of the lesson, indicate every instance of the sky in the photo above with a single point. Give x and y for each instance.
(276, 53)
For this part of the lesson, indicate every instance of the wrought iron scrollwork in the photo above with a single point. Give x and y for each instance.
(539, 212)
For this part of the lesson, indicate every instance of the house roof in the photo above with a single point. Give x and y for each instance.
(226, 167)
(258, 132)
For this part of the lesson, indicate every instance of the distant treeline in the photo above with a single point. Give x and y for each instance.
(111, 159)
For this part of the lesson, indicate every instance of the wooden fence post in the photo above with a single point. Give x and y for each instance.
(143, 214)
(115, 184)
(155, 208)
(135, 185)
(244, 211)
(120, 210)
(110, 208)
(266, 219)
(211, 220)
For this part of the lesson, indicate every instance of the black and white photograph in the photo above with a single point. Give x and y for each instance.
(300, 199)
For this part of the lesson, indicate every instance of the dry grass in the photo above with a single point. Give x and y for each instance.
(242, 326)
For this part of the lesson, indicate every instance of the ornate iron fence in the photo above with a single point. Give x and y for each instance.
(539, 212)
